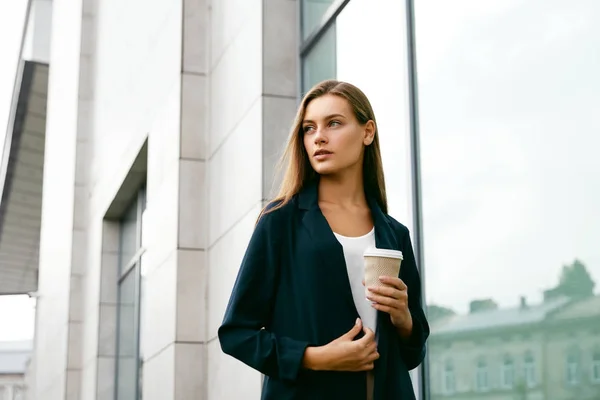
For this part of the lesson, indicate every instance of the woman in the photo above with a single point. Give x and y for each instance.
(298, 312)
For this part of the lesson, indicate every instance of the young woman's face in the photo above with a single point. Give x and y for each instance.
(333, 138)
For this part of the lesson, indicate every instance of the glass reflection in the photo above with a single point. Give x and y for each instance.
(313, 12)
(509, 127)
(129, 236)
(320, 63)
(127, 363)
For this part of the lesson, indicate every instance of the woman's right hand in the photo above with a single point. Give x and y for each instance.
(345, 353)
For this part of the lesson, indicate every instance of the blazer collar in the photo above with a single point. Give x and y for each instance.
(308, 199)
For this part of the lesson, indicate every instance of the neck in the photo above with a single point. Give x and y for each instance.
(345, 189)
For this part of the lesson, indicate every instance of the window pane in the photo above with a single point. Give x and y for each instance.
(596, 368)
(508, 101)
(529, 371)
(371, 49)
(482, 376)
(18, 393)
(508, 374)
(313, 12)
(319, 63)
(128, 344)
(129, 239)
(448, 379)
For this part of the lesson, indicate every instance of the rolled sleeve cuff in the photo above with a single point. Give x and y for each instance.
(291, 360)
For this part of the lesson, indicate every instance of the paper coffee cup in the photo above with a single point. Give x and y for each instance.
(380, 262)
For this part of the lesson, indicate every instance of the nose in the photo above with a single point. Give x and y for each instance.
(320, 137)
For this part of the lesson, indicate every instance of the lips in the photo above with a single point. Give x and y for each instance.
(322, 152)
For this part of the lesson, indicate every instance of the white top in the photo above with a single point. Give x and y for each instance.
(354, 248)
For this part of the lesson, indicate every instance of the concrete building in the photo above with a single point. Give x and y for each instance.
(14, 360)
(143, 141)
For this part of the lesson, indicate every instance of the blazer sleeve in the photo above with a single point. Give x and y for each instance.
(243, 334)
(413, 348)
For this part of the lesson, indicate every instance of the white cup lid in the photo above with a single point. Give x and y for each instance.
(373, 252)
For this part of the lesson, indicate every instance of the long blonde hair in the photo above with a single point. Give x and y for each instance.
(299, 173)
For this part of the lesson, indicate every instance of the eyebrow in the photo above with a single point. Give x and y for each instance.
(327, 117)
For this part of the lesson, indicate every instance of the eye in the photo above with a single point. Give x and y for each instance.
(334, 123)
(307, 128)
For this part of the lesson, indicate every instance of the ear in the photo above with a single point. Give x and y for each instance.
(369, 134)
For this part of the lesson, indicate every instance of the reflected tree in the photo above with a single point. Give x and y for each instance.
(435, 312)
(521, 390)
(575, 282)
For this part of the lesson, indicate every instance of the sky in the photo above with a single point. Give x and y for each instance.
(16, 312)
(508, 103)
(12, 15)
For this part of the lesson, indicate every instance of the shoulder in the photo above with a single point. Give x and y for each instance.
(399, 229)
(276, 212)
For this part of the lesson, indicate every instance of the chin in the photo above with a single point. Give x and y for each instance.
(325, 170)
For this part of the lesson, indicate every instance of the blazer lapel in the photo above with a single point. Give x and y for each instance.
(385, 238)
(316, 224)
(329, 249)
(331, 256)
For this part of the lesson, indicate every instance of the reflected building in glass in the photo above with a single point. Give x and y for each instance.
(548, 350)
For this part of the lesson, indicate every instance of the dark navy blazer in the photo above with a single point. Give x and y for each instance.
(292, 291)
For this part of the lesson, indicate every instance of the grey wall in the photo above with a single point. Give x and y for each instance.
(251, 109)
(211, 89)
(58, 217)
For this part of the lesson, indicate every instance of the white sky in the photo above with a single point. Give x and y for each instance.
(509, 97)
(16, 312)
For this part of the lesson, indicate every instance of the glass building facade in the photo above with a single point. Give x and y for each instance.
(489, 127)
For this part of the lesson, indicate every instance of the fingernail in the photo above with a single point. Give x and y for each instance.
(357, 321)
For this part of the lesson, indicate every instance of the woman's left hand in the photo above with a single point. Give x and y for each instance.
(393, 299)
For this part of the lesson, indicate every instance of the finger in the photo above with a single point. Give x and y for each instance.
(385, 309)
(367, 367)
(387, 291)
(373, 356)
(369, 334)
(395, 282)
(368, 337)
(387, 301)
(370, 349)
(372, 346)
(351, 334)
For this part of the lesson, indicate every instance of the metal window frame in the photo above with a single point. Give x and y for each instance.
(330, 30)
(124, 269)
(328, 19)
(133, 266)
(417, 197)
(306, 45)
